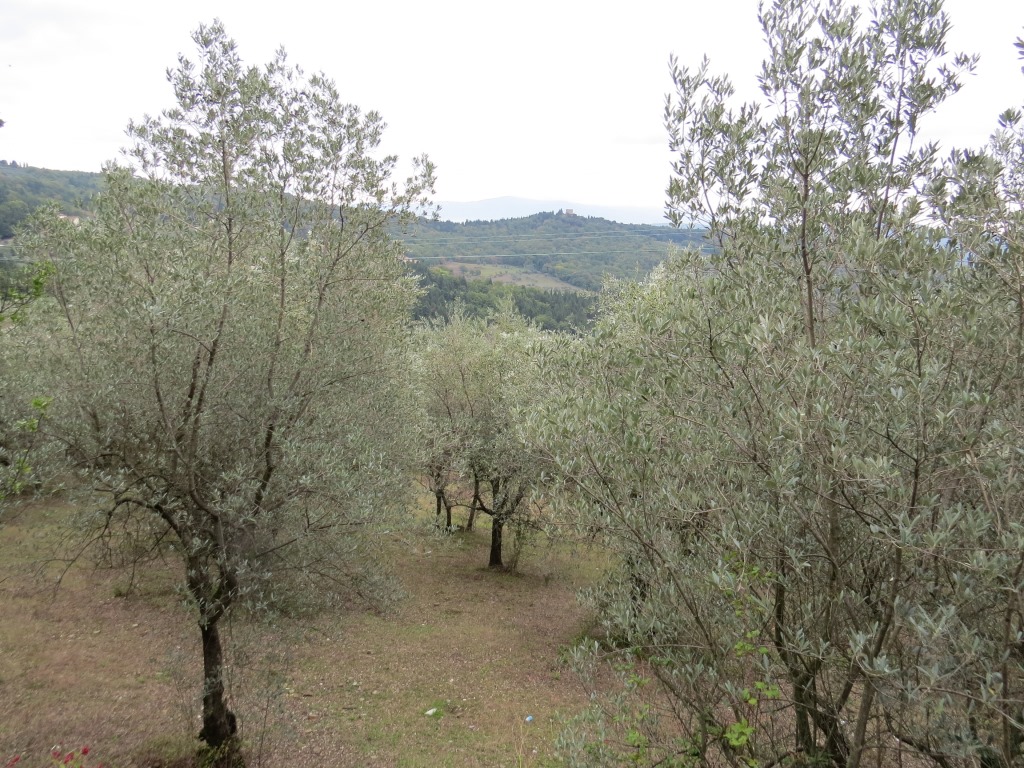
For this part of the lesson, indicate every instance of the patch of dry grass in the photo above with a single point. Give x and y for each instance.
(85, 665)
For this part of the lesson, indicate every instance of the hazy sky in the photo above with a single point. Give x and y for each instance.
(547, 100)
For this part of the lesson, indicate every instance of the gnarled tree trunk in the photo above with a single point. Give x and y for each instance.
(497, 528)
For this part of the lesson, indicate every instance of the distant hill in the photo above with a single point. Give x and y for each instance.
(580, 251)
(534, 258)
(24, 188)
(516, 207)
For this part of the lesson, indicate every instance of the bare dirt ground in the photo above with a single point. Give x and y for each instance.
(479, 650)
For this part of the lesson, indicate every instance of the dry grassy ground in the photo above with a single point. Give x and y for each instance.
(88, 665)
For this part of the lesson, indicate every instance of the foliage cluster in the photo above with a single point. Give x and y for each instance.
(21, 412)
(805, 447)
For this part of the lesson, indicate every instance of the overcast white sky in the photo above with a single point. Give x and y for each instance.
(546, 99)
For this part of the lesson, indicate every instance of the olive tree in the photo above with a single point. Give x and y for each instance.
(229, 340)
(21, 410)
(449, 374)
(804, 446)
(476, 379)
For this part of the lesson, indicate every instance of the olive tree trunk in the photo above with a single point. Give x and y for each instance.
(220, 727)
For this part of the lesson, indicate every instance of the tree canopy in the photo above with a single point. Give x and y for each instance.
(228, 356)
(803, 447)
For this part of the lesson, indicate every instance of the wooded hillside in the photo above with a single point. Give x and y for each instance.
(577, 250)
(23, 189)
(546, 252)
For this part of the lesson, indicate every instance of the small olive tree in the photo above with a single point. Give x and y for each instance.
(476, 379)
(449, 375)
(805, 446)
(229, 339)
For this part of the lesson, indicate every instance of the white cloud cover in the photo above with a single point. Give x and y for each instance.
(547, 100)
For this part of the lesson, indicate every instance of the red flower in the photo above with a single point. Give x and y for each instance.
(85, 750)
(70, 756)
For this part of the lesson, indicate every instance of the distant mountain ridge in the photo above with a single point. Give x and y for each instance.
(24, 188)
(496, 208)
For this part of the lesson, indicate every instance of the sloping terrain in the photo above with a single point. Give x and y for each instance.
(92, 665)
